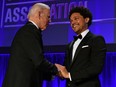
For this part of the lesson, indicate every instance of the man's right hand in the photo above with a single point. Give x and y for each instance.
(63, 73)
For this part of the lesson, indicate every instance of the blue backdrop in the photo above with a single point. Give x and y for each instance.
(13, 15)
(107, 77)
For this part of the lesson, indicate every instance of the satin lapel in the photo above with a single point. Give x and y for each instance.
(77, 51)
(71, 45)
(83, 42)
(70, 51)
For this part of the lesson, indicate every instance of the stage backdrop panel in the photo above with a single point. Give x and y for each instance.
(107, 77)
(13, 15)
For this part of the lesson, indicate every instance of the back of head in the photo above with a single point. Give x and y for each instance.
(36, 8)
(83, 11)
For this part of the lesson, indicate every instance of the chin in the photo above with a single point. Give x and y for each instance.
(75, 30)
(43, 28)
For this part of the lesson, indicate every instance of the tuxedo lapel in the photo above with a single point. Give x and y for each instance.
(78, 49)
(76, 53)
(70, 52)
(83, 42)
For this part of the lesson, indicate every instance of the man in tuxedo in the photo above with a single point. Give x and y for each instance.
(85, 55)
(27, 63)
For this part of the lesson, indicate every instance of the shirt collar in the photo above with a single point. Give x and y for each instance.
(34, 24)
(84, 33)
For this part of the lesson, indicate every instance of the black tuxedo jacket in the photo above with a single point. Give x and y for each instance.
(27, 63)
(87, 63)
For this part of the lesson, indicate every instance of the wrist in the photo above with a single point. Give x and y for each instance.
(67, 76)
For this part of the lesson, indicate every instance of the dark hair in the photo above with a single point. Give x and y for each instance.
(83, 11)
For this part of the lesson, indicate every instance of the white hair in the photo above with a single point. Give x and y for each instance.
(37, 7)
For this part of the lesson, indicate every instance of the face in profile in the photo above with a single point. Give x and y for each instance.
(44, 19)
(78, 22)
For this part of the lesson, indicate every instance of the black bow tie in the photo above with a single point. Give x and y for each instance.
(77, 37)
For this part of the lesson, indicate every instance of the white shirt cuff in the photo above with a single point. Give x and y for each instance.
(70, 77)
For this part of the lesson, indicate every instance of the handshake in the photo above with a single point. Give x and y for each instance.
(62, 71)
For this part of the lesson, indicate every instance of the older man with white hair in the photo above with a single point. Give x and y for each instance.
(27, 63)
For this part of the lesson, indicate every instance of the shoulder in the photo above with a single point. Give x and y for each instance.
(28, 27)
(95, 39)
(98, 37)
(95, 36)
(25, 31)
(98, 41)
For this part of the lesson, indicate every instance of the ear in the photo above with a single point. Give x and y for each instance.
(86, 20)
(39, 14)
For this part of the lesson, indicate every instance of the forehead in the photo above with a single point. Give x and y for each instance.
(75, 15)
(47, 11)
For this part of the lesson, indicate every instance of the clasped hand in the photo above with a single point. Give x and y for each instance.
(63, 73)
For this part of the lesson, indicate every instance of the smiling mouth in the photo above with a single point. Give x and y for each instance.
(74, 26)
